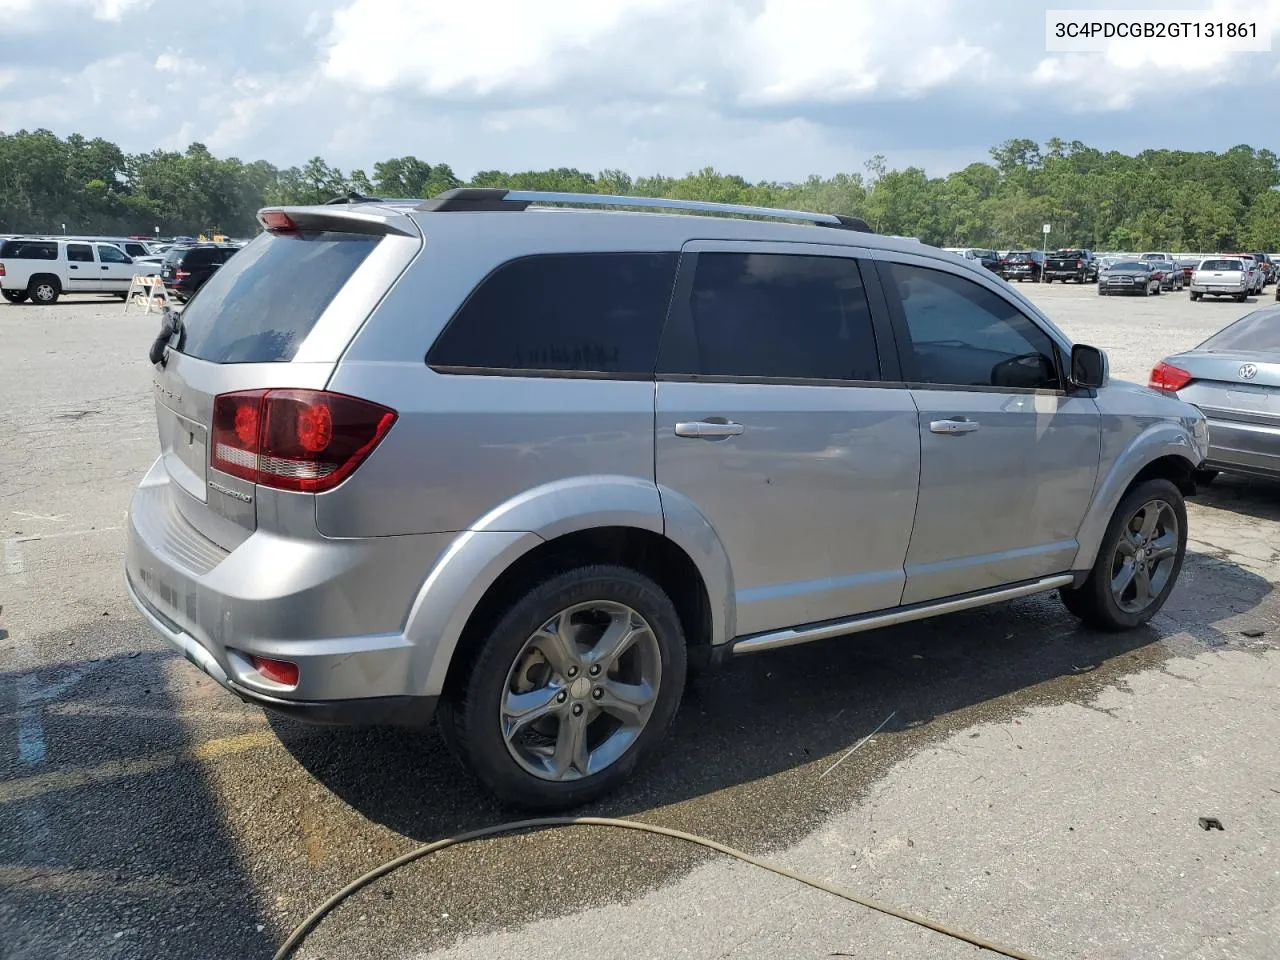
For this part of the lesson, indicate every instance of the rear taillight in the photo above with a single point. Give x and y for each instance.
(1, 269)
(1079, 264)
(1167, 377)
(306, 440)
(181, 274)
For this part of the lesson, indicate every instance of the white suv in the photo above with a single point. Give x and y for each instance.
(43, 270)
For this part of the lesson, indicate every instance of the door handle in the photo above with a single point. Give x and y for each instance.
(105, 267)
(954, 425)
(709, 429)
(74, 267)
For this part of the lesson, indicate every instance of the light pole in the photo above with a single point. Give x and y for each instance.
(1044, 250)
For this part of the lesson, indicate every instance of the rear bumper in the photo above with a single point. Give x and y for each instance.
(1220, 290)
(336, 608)
(1244, 447)
(404, 710)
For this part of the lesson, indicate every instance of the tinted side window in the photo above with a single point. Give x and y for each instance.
(586, 313)
(109, 254)
(201, 256)
(79, 253)
(30, 250)
(782, 316)
(964, 334)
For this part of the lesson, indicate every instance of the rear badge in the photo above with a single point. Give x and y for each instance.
(234, 494)
(1247, 371)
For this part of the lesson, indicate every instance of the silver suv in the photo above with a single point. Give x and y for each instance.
(530, 464)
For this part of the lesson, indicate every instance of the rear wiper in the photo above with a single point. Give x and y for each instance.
(171, 324)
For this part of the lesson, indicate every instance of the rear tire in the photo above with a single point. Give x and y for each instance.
(1196, 296)
(14, 296)
(525, 655)
(44, 291)
(1149, 557)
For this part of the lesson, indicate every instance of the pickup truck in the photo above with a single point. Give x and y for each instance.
(1077, 265)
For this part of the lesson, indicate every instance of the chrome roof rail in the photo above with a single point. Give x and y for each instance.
(486, 198)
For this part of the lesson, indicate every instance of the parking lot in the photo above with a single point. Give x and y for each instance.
(1036, 783)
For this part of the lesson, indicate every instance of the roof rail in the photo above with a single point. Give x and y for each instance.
(498, 198)
(354, 197)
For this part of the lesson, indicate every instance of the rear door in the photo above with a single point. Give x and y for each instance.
(1008, 458)
(115, 268)
(780, 418)
(279, 316)
(82, 269)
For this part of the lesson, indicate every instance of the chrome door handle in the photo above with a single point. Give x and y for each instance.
(953, 425)
(709, 429)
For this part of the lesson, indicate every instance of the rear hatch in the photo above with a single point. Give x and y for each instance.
(268, 328)
(1222, 274)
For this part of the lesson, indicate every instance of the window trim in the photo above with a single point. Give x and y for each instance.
(678, 347)
(455, 370)
(93, 253)
(905, 344)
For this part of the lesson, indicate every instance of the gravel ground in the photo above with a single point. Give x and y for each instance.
(1038, 783)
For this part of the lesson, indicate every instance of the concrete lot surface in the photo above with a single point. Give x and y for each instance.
(1038, 784)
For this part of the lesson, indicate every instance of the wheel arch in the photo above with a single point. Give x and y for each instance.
(549, 529)
(1165, 450)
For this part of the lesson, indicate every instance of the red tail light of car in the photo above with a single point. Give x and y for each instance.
(303, 440)
(1168, 378)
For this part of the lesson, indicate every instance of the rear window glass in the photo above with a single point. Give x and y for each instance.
(583, 313)
(260, 305)
(29, 250)
(1221, 265)
(1255, 333)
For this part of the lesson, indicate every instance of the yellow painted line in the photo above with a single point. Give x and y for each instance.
(24, 788)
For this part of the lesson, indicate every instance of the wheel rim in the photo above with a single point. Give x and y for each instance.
(580, 691)
(1145, 556)
(44, 292)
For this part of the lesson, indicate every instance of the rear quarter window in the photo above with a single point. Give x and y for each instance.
(29, 250)
(587, 313)
(260, 306)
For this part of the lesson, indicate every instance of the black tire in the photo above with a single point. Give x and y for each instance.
(14, 296)
(1093, 601)
(469, 712)
(1102, 291)
(44, 291)
(1196, 296)
(1241, 297)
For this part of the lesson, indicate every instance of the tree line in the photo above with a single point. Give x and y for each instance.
(1157, 199)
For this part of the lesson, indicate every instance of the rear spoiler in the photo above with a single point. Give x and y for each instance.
(286, 220)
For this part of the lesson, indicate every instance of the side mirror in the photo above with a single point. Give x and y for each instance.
(1089, 366)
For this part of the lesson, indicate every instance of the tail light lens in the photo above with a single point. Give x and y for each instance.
(305, 440)
(277, 221)
(1, 269)
(1167, 377)
(181, 274)
(1079, 264)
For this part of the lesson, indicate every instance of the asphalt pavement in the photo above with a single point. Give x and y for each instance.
(1035, 783)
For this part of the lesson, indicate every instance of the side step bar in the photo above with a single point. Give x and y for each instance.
(873, 621)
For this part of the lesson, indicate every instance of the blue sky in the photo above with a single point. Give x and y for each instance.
(772, 89)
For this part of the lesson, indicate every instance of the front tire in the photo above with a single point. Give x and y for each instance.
(14, 296)
(575, 684)
(1138, 561)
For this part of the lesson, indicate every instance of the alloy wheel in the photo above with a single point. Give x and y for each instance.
(1145, 556)
(581, 691)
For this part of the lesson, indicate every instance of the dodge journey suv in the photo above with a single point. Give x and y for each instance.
(521, 464)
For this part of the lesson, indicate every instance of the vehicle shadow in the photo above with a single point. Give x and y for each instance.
(109, 847)
(1248, 496)
(759, 733)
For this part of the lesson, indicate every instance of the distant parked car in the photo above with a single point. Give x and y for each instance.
(1170, 274)
(1234, 378)
(186, 268)
(1221, 277)
(1130, 277)
(1268, 268)
(988, 258)
(1071, 264)
(43, 270)
(1023, 265)
(1253, 270)
(1188, 266)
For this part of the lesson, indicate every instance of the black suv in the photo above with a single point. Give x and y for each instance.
(1022, 265)
(186, 268)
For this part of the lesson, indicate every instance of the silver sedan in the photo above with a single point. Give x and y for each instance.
(1234, 378)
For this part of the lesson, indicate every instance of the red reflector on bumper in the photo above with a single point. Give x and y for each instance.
(279, 671)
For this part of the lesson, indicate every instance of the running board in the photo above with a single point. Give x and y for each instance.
(873, 621)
